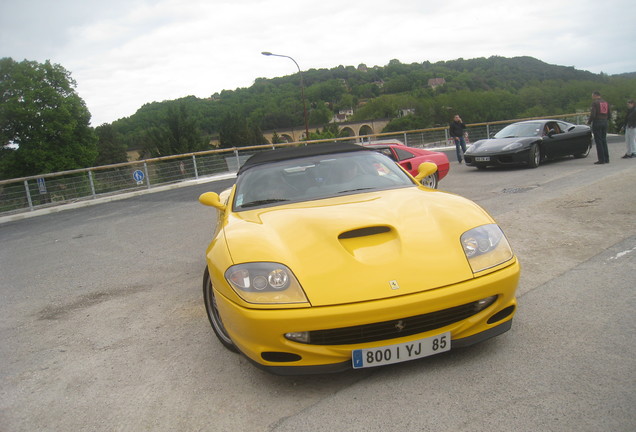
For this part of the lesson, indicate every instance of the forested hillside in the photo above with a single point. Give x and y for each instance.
(482, 89)
(45, 124)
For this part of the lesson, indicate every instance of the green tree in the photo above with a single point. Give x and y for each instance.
(176, 133)
(328, 91)
(381, 107)
(328, 132)
(276, 139)
(405, 123)
(111, 149)
(320, 114)
(236, 131)
(43, 119)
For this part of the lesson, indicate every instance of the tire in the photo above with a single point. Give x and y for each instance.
(213, 313)
(585, 153)
(534, 156)
(430, 181)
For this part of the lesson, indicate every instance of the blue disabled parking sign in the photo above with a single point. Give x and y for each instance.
(138, 176)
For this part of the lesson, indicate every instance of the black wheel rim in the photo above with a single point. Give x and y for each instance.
(213, 311)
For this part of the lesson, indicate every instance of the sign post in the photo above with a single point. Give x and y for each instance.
(138, 176)
(41, 186)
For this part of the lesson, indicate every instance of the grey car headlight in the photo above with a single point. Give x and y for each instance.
(513, 146)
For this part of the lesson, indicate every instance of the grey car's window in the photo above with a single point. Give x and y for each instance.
(519, 130)
(565, 127)
(552, 127)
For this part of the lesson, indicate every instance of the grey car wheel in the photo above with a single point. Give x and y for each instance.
(534, 156)
(585, 153)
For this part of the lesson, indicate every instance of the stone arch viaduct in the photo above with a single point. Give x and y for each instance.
(296, 134)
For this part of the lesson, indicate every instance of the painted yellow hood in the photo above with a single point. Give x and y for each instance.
(361, 247)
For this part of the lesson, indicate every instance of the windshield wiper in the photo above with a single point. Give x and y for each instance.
(354, 190)
(263, 202)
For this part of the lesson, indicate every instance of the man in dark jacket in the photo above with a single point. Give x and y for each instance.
(599, 115)
(456, 130)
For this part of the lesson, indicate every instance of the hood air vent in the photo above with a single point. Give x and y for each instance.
(364, 232)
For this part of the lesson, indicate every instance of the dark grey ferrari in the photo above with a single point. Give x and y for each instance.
(529, 143)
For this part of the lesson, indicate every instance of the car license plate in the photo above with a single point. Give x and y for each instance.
(482, 159)
(389, 354)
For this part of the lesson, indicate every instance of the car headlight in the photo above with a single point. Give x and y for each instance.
(486, 247)
(513, 146)
(265, 282)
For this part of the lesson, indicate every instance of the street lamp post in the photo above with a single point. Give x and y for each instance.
(302, 89)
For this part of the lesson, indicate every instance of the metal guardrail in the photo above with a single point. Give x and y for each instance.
(47, 190)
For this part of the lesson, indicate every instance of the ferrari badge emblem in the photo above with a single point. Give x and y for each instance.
(394, 285)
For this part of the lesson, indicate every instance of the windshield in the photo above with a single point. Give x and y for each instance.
(519, 130)
(316, 177)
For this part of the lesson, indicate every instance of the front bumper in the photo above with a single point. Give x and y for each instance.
(346, 365)
(498, 159)
(259, 334)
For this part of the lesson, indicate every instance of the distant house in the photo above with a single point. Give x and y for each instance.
(406, 111)
(436, 82)
(342, 116)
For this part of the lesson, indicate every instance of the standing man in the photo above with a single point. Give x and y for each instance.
(456, 129)
(630, 130)
(599, 115)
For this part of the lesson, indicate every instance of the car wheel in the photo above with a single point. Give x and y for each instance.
(430, 181)
(534, 156)
(213, 313)
(583, 154)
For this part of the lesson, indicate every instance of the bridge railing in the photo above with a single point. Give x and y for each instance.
(46, 190)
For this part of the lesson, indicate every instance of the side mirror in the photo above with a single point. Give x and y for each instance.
(211, 199)
(425, 169)
(225, 195)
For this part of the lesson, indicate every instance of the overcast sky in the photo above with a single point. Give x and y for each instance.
(124, 53)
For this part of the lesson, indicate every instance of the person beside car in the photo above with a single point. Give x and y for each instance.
(599, 115)
(456, 130)
(630, 130)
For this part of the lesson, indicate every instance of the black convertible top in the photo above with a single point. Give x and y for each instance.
(277, 155)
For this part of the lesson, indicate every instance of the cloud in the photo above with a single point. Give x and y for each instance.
(125, 53)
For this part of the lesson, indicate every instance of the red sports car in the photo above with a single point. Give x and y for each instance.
(411, 157)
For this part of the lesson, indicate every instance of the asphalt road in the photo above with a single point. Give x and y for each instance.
(103, 327)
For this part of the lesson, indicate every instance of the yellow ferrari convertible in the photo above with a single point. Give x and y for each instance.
(332, 257)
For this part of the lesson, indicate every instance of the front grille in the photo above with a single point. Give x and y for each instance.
(505, 159)
(394, 328)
